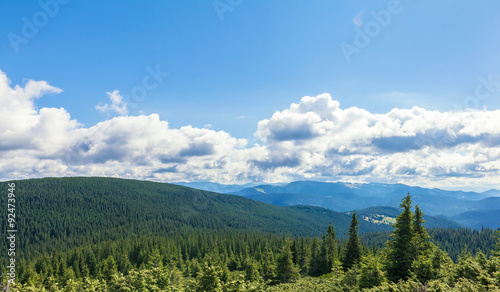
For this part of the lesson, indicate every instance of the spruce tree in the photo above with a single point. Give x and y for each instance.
(208, 279)
(285, 269)
(109, 268)
(304, 256)
(421, 238)
(371, 273)
(331, 246)
(401, 251)
(496, 251)
(313, 263)
(225, 275)
(353, 247)
(251, 270)
(323, 264)
(268, 266)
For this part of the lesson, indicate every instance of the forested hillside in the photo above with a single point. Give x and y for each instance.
(102, 234)
(65, 212)
(243, 261)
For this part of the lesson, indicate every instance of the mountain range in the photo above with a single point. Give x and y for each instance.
(470, 209)
(59, 213)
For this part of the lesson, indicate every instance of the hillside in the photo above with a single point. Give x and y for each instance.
(479, 219)
(342, 197)
(387, 216)
(106, 234)
(64, 212)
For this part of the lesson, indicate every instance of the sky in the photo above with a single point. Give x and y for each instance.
(238, 91)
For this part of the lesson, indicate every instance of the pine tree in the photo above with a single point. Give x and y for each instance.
(421, 238)
(208, 279)
(323, 265)
(251, 270)
(194, 268)
(313, 263)
(401, 253)
(353, 247)
(268, 266)
(109, 268)
(27, 274)
(285, 269)
(294, 251)
(331, 246)
(224, 277)
(496, 251)
(304, 257)
(155, 259)
(371, 272)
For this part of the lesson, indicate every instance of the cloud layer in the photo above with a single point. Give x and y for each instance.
(313, 139)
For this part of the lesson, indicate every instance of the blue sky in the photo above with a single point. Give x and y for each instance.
(233, 64)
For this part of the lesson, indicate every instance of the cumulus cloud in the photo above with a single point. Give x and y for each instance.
(401, 144)
(23, 128)
(313, 139)
(356, 130)
(117, 105)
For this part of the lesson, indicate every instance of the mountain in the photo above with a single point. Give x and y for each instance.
(216, 187)
(342, 197)
(492, 193)
(478, 219)
(387, 216)
(58, 213)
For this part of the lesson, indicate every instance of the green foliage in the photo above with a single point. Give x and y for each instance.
(420, 236)
(450, 240)
(251, 270)
(62, 213)
(207, 280)
(268, 264)
(401, 252)
(353, 247)
(371, 272)
(109, 268)
(286, 271)
(194, 247)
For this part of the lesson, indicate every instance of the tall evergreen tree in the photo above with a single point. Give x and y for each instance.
(294, 251)
(496, 251)
(268, 266)
(323, 264)
(331, 246)
(353, 247)
(208, 279)
(285, 269)
(400, 253)
(251, 270)
(313, 263)
(304, 257)
(421, 238)
(109, 268)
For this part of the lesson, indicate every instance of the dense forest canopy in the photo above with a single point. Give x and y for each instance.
(98, 234)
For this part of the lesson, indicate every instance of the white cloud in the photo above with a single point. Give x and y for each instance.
(404, 144)
(117, 105)
(312, 139)
(22, 127)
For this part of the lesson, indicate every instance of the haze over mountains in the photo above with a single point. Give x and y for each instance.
(471, 209)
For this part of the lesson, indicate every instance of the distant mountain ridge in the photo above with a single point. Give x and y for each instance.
(216, 187)
(387, 216)
(343, 197)
(478, 219)
(65, 212)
